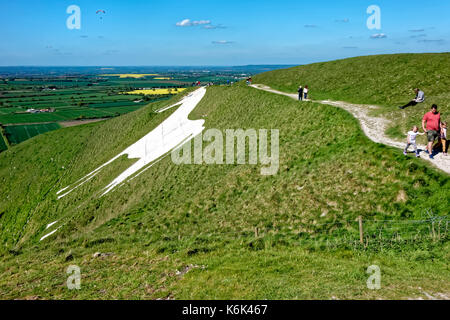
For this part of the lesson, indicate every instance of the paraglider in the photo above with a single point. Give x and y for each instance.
(101, 12)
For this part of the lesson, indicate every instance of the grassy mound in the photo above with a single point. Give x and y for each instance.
(384, 80)
(201, 219)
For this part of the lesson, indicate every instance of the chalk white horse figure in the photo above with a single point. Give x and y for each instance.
(171, 133)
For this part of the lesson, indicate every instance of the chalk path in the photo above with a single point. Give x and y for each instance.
(373, 127)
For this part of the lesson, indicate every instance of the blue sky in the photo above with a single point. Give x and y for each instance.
(228, 32)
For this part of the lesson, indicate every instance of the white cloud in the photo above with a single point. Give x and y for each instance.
(184, 23)
(222, 42)
(378, 36)
(210, 26)
(189, 23)
(196, 23)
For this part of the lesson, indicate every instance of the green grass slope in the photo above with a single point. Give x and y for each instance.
(174, 216)
(384, 80)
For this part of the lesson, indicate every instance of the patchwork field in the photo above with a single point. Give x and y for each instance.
(20, 133)
(157, 91)
(130, 75)
(30, 100)
(90, 96)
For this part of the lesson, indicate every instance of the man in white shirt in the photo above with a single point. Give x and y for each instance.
(420, 97)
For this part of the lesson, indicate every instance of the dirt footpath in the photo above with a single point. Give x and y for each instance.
(373, 127)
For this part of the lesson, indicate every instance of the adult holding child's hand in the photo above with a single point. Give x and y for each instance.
(431, 124)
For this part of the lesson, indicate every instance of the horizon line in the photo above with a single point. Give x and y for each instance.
(147, 66)
(242, 65)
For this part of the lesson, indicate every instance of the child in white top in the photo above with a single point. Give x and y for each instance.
(411, 141)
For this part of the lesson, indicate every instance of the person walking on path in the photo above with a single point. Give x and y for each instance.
(411, 140)
(300, 93)
(305, 92)
(431, 124)
(420, 97)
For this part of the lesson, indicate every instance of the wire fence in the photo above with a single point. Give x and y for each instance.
(358, 233)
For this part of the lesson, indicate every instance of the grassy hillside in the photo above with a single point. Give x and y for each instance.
(384, 80)
(173, 216)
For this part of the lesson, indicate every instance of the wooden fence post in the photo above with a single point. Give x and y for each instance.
(439, 230)
(433, 232)
(361, 232)
(256, 232)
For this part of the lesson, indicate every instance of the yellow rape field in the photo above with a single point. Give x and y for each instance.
(162, 78)
(129, 75)
(157, 91)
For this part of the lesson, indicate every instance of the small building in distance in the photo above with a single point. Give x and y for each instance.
(40, 110)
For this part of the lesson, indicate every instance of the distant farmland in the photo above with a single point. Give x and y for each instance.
(34, 104)
(130, 75)
(71, 113)
(157, 91)
(20, 133)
